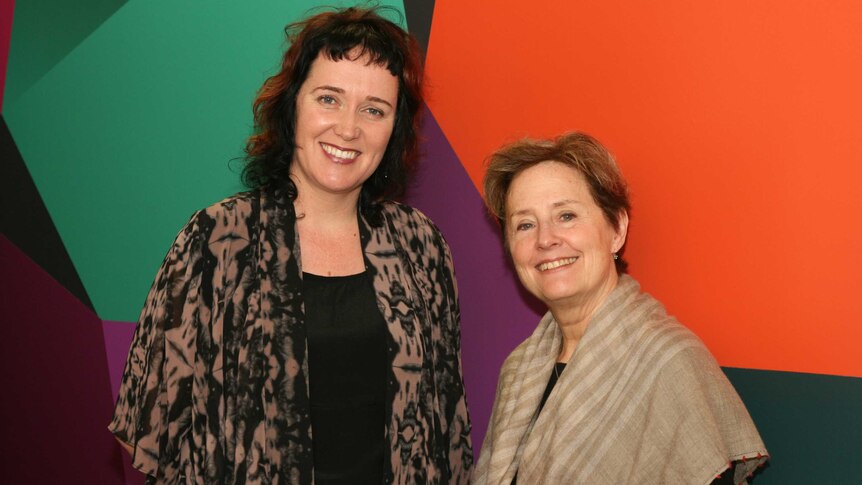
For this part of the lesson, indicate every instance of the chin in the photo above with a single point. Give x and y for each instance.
(556, 294)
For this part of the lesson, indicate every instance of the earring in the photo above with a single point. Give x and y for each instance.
(616, 256)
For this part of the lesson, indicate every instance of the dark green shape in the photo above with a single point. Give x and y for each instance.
(811, 424)
(44, 32)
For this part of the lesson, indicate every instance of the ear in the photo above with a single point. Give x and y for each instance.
(621, 231)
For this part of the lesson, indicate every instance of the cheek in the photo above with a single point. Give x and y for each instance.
(302, 117)
(520, 256)
(607, 242)
(381, 136)
(305, 129)
(525, 277)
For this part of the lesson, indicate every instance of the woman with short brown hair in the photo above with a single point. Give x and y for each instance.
(609, 389)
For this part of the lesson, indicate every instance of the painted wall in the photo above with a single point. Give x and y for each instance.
(733, 122)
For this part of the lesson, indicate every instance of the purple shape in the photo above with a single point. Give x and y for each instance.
(57, 401)
(118, 338)
(496, 313)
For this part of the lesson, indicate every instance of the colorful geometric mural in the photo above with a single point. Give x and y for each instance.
(733, 122)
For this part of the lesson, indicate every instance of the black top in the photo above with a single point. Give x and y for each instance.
(347, 364)
(558, 369)
(725, 479)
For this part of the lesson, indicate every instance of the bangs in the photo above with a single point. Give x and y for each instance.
(379, 51)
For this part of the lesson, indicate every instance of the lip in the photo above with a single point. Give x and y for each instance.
(549, 265)
(338, 154)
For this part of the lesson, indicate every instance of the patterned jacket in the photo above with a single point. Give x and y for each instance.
(215, 388)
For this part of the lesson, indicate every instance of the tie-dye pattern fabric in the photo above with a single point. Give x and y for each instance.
(216, 384)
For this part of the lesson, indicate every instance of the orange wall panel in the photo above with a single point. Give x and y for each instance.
(736, 124)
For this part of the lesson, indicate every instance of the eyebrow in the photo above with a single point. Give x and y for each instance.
(554, 205)
(341, 91)
(565, 202)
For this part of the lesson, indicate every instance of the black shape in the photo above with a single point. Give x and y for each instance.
(810, 424)
(419, 14)
(25, 220)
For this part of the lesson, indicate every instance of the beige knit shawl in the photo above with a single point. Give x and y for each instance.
(642, 401)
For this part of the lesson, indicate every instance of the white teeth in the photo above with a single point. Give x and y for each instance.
(335, 152)
(556, 264)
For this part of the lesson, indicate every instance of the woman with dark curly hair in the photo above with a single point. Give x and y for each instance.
(308, 329)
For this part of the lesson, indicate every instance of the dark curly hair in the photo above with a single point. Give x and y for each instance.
(347, 33)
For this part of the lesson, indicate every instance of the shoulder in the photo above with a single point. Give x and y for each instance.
(513, 361)
(228, 212)
(663, 331)
(531, 346)
(412, 223)
(403, 212)
(677, 351)
(682, 355)
(693, 358)
(241, 202)
(647, 324)
(223, 222)
(660, 346)
(649, 331)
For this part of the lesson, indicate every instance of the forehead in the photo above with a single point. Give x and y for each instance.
(350, 68)
(545, 185)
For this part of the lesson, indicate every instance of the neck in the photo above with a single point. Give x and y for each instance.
(325, 209)
(573, 317)
(328, 229)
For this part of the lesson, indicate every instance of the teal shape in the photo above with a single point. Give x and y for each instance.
(44, 32)
(142, 124)
(810, 424)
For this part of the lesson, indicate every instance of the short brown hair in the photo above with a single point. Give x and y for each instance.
(577, 150)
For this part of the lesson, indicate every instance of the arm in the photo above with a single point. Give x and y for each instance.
(140, 415)
(718, 427)
(430, 274)
(460, 445)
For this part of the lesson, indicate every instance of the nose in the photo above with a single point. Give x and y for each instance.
(546, 236)
(347, 126)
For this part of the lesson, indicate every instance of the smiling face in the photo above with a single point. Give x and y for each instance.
(345, 112)
(561, 243)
